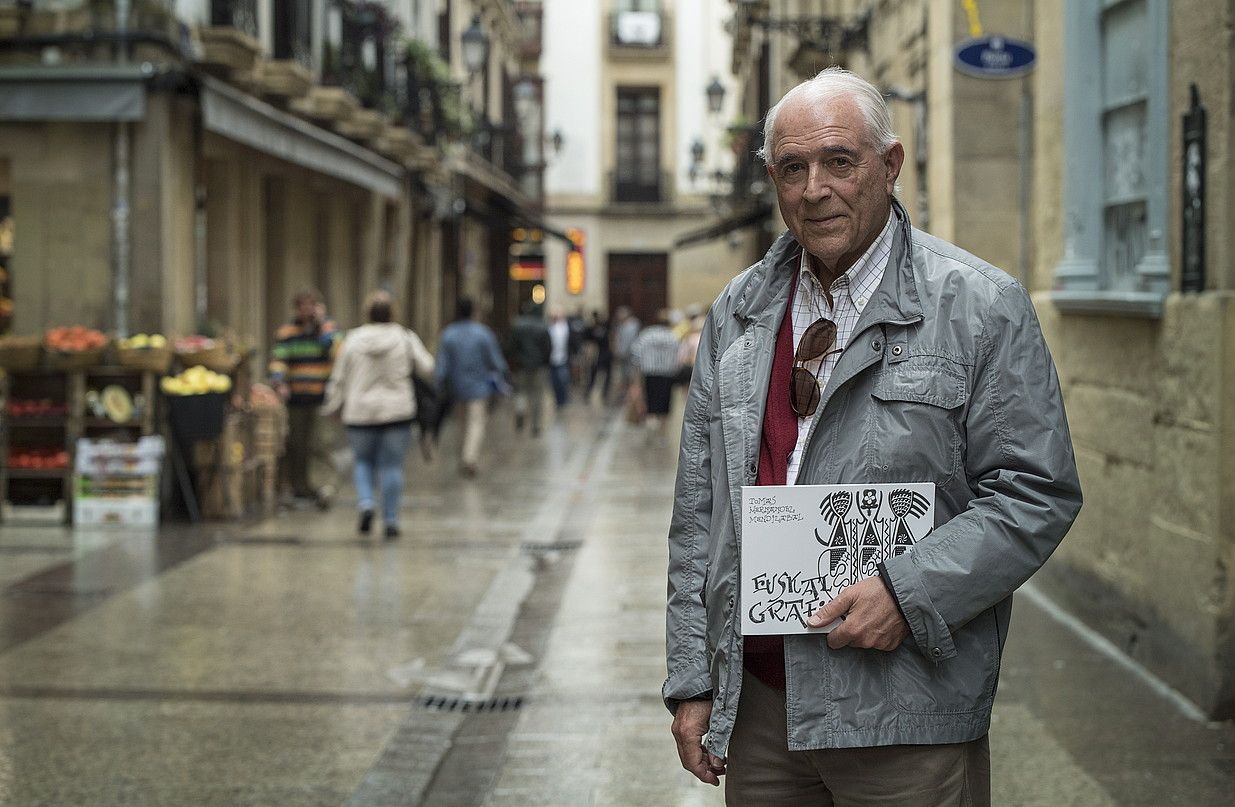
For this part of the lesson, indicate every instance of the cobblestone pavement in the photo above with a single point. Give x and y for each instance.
(506, 651)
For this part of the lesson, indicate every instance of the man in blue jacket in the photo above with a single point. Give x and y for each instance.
(471, 370)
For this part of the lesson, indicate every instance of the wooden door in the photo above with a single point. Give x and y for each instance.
(641, 281)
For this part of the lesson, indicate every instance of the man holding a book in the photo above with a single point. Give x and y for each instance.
(859, 352)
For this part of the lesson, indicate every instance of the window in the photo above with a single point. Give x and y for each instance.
(637, 170)
(1116, 162)
(638, 24)
(293, 37)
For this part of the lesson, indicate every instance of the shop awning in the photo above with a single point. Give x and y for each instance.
(749, 217)
(61, 93)
(537, 224)
(237, 116)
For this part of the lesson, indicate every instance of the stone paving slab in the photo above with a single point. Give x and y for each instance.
(261, 671)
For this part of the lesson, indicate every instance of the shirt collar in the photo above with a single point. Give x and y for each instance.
(861, 280)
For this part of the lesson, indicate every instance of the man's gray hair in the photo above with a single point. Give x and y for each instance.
(829, 84)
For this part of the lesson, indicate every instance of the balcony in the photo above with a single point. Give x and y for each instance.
(229, 44)
(289, 74)
(88, 31)
(499, 145)
(529, 19)
(640, 187)
(640, 35)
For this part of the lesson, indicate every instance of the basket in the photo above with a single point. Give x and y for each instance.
(269, 431)
(21, 353)
(150, 359)
(217, 359)
(75, 359)
(196, 417)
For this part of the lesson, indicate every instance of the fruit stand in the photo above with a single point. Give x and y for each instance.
(72, 400)
(46, 411)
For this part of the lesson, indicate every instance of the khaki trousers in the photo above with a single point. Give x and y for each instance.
(475, 415)
(308, 461)
(762, 772)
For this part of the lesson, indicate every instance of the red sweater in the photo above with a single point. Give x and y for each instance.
(764, 656)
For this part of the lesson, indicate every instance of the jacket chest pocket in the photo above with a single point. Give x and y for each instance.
(916, 427)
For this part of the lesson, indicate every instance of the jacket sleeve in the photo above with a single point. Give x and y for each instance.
(1019, 462)
(442, 368)
(496, 359)
(422, 360)
(687, 653)
(336, 387)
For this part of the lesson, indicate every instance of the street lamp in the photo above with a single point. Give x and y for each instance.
(696, 159)
(475, 46)
(716, 95)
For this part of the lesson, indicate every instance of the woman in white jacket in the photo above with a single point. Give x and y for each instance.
(371, 389)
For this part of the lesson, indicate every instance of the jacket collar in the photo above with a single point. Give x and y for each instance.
(769, 280)
(896, 299)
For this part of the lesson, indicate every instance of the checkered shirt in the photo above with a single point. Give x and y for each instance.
(850, 294)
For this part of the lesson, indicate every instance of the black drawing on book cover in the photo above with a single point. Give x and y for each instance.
(859, 537)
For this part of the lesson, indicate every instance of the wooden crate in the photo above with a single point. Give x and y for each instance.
(222, 496)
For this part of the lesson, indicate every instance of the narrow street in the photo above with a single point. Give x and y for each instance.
(507, 650)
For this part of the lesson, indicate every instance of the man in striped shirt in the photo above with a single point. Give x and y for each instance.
(654, 357)
(302, 358)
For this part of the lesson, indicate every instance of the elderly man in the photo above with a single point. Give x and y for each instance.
(861, 350)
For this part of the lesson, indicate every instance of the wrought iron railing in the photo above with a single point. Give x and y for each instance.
(360, 52)
(238, 14)
(91, 31)
(640, 185)
(293, 31)
(642, 30)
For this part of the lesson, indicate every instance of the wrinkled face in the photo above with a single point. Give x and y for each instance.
(833, 186)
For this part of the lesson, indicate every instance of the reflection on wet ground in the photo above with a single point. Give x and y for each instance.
(508, 650)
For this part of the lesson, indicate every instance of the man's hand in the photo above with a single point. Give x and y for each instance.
(285, 392)
(690, 723)
(871, 618)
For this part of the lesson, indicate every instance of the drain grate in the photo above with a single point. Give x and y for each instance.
(545, 548)
(56, 590)
(454, 703)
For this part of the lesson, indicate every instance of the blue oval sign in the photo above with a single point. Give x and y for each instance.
(994, 57)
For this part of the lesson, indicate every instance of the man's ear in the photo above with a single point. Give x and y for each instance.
(892, 161)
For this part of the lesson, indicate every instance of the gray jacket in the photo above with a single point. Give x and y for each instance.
(946, 378)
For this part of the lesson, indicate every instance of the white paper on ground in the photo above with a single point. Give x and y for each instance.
(803, 544)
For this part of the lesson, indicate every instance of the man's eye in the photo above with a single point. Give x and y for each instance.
(841, 162)
(791, 169)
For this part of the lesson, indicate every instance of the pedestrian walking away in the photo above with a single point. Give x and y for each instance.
(688, 348)
(559, 355)
(471, 370)
(371, 390)
(529, 350)
(301, 363)
(625, 331)
(655, 359)
(860, 350)
(598, 335)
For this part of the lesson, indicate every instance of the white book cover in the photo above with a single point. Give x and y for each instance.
(803, 544)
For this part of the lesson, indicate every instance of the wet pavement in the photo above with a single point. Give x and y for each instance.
(507, 650)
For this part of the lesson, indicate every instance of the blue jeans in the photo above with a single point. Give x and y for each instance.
(380, 449)
(559, 375)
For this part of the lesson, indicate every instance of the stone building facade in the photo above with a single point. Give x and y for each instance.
(629, 99)
(190, 164)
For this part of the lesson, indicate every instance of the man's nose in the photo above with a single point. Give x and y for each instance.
(817, 186)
